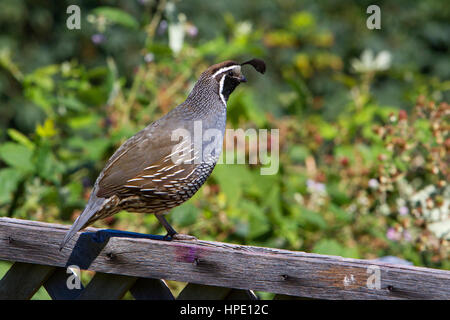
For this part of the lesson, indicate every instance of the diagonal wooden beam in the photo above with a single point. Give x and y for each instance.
(105, 286)
(56, 286)
(151, 289)
(23, 280)
(194, 291)
(238, 294)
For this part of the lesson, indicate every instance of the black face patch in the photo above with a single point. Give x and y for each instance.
(230, 83)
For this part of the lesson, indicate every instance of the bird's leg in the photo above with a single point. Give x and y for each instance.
(171, 231)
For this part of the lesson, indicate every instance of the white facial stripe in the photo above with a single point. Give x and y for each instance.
(222, 81)
(224, 69)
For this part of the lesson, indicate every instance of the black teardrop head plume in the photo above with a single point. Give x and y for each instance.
(258, 64)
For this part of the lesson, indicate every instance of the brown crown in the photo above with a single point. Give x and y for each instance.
(214, 68)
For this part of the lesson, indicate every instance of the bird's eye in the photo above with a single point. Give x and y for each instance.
(230, 73)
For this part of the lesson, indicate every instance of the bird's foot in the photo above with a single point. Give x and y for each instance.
(180, 236)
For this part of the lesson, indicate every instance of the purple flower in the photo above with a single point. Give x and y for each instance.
(191, 30)
(403, 210)
(407, 236)
(163, 25)
(315, 187)
(98, 38)
(393, 235)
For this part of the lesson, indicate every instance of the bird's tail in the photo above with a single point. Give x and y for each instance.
(94, 204)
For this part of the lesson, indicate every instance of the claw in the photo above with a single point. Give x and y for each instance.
(180, 236)
(168, 237)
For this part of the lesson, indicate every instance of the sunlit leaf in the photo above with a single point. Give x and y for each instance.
(47, 130)
(17, 156)
(20, 138)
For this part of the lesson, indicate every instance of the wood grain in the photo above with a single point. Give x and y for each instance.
(220, 264)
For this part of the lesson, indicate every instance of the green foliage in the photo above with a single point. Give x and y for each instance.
(113, 15)
(16, 156)
(362, 118)
(9, 181)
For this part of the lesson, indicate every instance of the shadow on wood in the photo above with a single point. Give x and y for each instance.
(89, 245)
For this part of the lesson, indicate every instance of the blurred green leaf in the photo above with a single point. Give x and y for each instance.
(302, 20)
(71, 103)
(83, 121)
(21, 138)
(298, 153)
(117, 16)
(184, 215)
(42, 77)
(337, 195)
(17, 156)
(309, 217)
(332, 247)
(231, 179)
(341, 215)
(46, 164)
(328, 131)
(257, 219)
(93, 149)
(9, 179)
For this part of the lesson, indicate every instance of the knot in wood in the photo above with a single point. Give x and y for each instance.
(110, 256)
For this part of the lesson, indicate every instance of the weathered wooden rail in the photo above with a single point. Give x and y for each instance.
(213, 270)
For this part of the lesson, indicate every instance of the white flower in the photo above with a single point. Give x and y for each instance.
(65, 67)
(315, 187)
(149, 57)
(383, 60)
(441, 229)
(384, 209)
(373, 183)
(369, 63)
(244, 28)
(176, 34)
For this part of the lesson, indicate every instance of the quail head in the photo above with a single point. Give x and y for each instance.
(155, 170)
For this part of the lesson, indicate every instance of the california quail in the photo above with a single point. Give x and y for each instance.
(144, 174)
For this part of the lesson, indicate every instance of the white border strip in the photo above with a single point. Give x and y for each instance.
(224, 69)
(222, 81)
